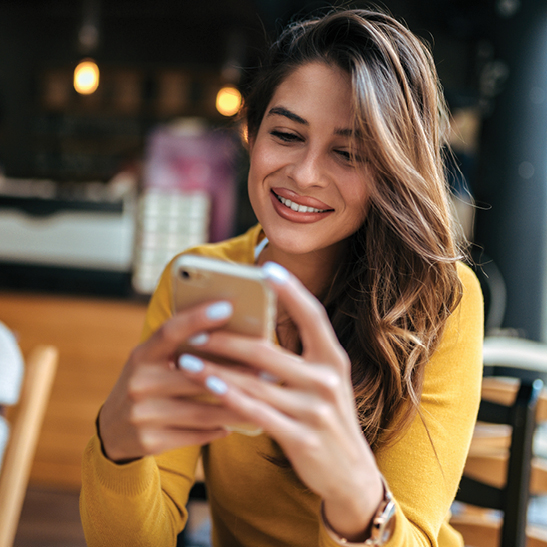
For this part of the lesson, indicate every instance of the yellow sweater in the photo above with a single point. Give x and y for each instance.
(255, 503)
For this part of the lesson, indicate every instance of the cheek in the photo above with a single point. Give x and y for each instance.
(357, 194)
(263, 162)
(254, 185)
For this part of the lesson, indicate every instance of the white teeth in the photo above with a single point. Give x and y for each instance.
(300, 208)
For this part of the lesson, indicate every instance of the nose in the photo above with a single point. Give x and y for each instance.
(308, 169)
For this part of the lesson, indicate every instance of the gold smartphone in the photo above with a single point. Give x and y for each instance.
(197, 279)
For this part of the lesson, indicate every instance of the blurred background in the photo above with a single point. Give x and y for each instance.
(119, 148)
(91, 176)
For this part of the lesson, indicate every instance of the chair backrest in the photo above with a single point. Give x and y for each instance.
(40, 371)
(515, 357)
(513, 497)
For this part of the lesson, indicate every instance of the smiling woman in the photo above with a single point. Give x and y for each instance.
(300, 159)
(377, 354)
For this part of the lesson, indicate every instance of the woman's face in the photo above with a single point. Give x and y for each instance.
(306, 190)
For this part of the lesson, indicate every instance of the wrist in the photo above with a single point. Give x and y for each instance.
(119, 461)
(371, 529)
(349, 512)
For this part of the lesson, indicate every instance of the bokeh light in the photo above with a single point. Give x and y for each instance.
(228, 101)
(86, 77)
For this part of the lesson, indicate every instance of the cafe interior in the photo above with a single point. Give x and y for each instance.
(120, 146)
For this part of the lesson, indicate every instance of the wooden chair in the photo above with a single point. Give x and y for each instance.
(501, 471)
(26, 420)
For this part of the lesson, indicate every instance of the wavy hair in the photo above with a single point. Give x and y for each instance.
(390, 299)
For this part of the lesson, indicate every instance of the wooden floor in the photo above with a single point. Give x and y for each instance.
(50, 518)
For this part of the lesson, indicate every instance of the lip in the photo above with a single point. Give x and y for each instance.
(301, 200)
(294, 216)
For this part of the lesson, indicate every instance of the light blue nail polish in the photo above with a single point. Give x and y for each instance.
(268, 377)
(275, 272)
(216, 385)
(198, 339)
(190, 363)
(219, 310)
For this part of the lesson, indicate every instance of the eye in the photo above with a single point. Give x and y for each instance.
(345, 155)
(285, 136)
(350, 158)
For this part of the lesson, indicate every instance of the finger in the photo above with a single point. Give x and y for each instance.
(151, 380)
(253, 410)
(259, 356)
(316, 332)
(175, 331)
(188, 414)
(314, 403)
(216, 384)
(278, 363)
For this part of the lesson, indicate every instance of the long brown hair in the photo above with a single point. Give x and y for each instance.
(390, 300)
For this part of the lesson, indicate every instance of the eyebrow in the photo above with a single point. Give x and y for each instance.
(282, 111)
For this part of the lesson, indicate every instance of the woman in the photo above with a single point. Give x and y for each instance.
(379, 325)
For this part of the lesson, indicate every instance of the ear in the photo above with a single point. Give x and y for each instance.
(249, 140)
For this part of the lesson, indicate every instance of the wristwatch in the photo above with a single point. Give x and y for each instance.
(383, 521)
(382, 526)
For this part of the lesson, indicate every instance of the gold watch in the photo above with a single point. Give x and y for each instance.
(383, 522)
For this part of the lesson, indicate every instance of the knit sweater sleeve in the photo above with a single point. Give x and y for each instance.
(139, 504)
(142, 503)
(423, 469)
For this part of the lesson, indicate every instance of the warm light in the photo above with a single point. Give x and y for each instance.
(228, 101)
(86, 77)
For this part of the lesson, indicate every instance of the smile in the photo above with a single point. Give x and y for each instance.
(299, 208)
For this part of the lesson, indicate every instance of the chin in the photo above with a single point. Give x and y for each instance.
(298, 244)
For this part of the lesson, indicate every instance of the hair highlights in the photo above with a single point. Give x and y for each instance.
(390, 300)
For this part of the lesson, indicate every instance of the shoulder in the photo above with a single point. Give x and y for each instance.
(236, 249)
(467, 277)
(472, 299)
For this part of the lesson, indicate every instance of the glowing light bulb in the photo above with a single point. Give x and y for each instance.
(86, 77)
(228, 101)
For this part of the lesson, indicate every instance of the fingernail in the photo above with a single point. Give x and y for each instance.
(219, 310)
(216, 385)
(198, 339)
(190, 363)
(268, 377)
(275, 272)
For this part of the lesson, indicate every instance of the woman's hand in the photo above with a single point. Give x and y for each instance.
(152, 406)
(310, 411)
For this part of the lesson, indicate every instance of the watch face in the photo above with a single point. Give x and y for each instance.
(383, 524)
(388, 524)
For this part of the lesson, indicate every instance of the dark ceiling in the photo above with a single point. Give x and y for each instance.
(188, 31)
(151, 35)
